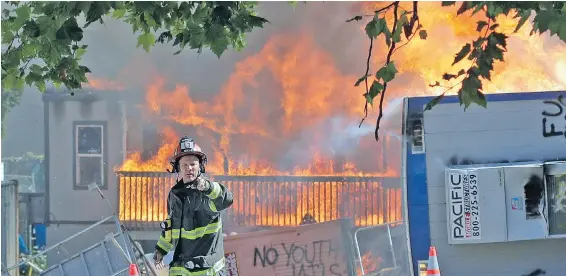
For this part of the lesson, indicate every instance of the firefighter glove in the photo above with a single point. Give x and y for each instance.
(203, 185)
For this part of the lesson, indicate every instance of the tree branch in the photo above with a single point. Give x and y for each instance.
(366, 80)
(387, 7)
(389, 54)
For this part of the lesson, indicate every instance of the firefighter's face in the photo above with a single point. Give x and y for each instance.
(189, 167)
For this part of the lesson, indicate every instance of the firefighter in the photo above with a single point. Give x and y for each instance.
(193, 228)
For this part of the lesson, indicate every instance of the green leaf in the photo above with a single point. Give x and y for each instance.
(499, 38)
(41, 86)
(374, 27)
(463, 52)
(493, 27)
(485, 65)
(387, 34)
(481, 24)
(32, 78)
(31, 29)
(8, 81)
(562, 31)
(22, 15)
(218, 39)
(494, 9)
(480, 99)
(360, 80)
(397, 32)
(19, 84)
(219, 46)
(28, 50)
(119, 13)
(96, 11)
(11, 59)
(448, 3)
(387, 72)
(256, 21)
(36, 69)
(542, 20)
(463, 8)
(57, 84)
(7, 35)
(524, 17)
(374, 90)
(197, 37)
(80, 52)
(470, 90)
(436, 100)
(216, 31)
(146, 40)
(200, 13)
(422, 34)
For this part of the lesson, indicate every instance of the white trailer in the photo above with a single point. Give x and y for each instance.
(487, 186)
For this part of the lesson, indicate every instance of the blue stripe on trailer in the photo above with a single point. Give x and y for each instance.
(417, 196)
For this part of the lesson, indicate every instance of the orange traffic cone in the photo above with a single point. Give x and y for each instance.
(133, 270)
(432, 269)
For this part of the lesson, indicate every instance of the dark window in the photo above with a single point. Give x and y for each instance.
(90, 140)
(89, 155)
(90, 170)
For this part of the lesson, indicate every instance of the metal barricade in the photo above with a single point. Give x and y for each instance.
(369, 258)
(111, 256)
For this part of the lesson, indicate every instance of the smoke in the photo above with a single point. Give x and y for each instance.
(343, 136)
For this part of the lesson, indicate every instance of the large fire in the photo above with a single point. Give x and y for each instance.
(288, 109)
(278, 112)
(245, 133)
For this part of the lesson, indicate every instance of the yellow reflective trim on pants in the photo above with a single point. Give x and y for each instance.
(181, 271)
(164, 244)
(198, 232)
(216, 190)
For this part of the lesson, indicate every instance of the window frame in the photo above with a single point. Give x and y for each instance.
(76, 155)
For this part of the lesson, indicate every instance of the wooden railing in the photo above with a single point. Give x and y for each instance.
(268, 201)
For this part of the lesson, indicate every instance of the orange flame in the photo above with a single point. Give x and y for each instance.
(288, 110)
(269, 202)
(532, 63)
(243, 139)
(104, 84)
(370, 263)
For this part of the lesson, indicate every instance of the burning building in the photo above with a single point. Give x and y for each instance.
(279, 172)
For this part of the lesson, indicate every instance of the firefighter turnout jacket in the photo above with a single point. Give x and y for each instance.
(193, 228)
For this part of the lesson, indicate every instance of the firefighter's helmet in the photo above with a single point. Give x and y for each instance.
(187, 146)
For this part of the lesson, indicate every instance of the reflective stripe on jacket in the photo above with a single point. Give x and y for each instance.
(194, 229)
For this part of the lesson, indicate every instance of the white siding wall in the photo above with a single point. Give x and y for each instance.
(77, 209)
(505, 131)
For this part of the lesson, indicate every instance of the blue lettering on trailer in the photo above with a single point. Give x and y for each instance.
(416, 177)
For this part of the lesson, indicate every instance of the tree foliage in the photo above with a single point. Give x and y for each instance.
(43, 40)
(489, 47)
